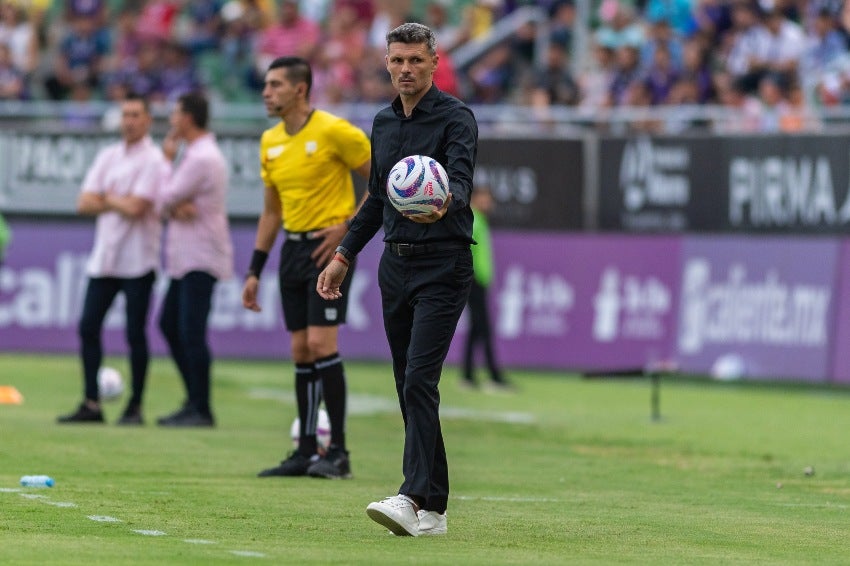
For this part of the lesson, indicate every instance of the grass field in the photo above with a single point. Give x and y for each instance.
(563, 471)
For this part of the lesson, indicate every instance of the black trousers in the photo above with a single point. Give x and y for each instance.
(480, 334)
(100, 294)
(423, 297)
(183, 322)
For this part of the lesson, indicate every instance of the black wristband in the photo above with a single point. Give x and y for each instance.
(348, 222)
(345, 253)
(258, 262)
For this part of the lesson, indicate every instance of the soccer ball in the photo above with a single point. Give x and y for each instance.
(417, 184)
(323, 431)
(110, 383)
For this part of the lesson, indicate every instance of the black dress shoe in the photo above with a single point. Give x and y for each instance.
(83, 414)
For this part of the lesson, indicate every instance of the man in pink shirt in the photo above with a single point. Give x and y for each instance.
(198, 251)
(120, 190)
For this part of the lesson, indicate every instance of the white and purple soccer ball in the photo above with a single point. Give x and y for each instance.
(110, 384)
(323, 431)
(417, 184)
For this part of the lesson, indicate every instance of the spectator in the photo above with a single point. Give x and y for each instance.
(95, 9)
(749, 45)
(675, 13)
(204, 25)
(445, 75)
(156, 20)
(177, 75)
(243, 21)
(292, 35)
(554, 84)
(11, 79)
(824, 45)
(661, 34)
(594, 83)
(492, 77)
(80, 59)
(620, 24)
(562, 20)
(695, 70)
(343, 50)
(140, 75)
(786, 47)
(437, 18)
(126, 41)
(661, 75)
(768, 108)
(626, 72)
(712, 19)
(20, 36)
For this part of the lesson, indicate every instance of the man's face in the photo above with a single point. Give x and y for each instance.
(135, 120)
(411, 67)
(178, 120)
(279, 93)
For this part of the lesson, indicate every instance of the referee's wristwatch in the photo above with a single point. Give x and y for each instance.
(345, 253)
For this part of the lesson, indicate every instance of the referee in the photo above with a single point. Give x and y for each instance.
(306, 162)
(425, 272)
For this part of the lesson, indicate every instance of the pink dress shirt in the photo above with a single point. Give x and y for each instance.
(124, 247)
(203, 243)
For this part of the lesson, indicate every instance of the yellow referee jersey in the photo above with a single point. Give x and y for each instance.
(311, 170)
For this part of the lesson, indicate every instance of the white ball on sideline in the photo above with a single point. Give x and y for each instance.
(417, 184)
(110, 383)
(323, 431)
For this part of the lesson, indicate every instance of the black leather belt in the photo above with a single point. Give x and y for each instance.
(301, 236)
(404, 250)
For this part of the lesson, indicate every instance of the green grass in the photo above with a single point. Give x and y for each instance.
(565, 470)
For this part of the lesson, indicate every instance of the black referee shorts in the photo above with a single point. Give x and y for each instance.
(302, 305)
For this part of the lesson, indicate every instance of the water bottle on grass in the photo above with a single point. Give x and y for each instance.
(37, 481)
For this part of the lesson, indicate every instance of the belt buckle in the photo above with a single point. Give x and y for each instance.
(404, 249)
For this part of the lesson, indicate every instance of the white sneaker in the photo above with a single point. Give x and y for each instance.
(431, 523)
(397, 514)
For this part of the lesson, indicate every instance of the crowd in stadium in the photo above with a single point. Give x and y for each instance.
(776, 59)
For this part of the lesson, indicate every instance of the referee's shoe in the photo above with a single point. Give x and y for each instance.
(333, 465)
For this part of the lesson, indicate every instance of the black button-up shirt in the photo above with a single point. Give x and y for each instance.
(441, 127)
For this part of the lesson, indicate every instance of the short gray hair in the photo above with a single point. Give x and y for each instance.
(413, 33)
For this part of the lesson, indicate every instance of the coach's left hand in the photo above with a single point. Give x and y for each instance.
(331, 238)
(433, 216)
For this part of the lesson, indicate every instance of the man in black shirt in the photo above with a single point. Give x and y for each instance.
(425, 272)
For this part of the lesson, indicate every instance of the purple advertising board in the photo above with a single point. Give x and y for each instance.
(584, 302)
(757, 307)
(558, 301)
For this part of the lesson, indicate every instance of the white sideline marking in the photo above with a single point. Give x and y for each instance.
(248, 553)
(199, 541)
(508, 499)
(60, 503)
(104, 519)
(32, 496)
(10, 490)
(375, 405)
(148, 533)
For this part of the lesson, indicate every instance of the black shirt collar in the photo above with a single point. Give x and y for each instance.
(425, 104)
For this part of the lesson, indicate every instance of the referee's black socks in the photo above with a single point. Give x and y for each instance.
(331, 372)
(308, 395)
